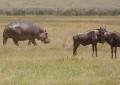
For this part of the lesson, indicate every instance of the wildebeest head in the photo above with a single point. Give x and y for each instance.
(101, 33)
(43, 36)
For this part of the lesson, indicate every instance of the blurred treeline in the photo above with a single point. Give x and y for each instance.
(57, 11)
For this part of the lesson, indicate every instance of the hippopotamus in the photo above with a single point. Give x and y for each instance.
(24, 30)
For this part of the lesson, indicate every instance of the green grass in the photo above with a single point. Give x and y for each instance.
(53, 64)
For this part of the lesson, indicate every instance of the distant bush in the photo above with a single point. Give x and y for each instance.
(50, 11)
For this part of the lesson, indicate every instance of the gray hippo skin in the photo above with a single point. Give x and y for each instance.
(24, 30)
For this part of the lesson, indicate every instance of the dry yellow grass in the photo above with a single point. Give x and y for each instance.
(53, 64)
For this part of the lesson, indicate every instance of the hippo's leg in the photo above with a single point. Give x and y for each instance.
(5, 40)
(34, 42)
(29, 42)
(15, 42)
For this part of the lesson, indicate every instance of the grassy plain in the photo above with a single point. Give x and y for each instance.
(53, 64)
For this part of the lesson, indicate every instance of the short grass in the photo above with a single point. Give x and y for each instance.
(53, 64)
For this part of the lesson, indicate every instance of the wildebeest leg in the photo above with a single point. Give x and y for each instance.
(112, 51)
(5, 40)
(96, 49)
(75, 46)
(33, 41)
(15, 42)
(115, 52)
(92, 50)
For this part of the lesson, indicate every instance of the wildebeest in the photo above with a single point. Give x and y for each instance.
(113, 39)
(24, 30)
(89, 37)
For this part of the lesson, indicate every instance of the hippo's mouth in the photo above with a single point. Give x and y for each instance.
(46, 41)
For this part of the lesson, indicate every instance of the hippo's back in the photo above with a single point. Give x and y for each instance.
(22, 30)
(22, 26)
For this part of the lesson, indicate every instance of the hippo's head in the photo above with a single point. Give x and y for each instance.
(43, 36)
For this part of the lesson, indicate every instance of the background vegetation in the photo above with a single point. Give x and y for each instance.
(60, 7)
(58, 11)
(102, 4)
